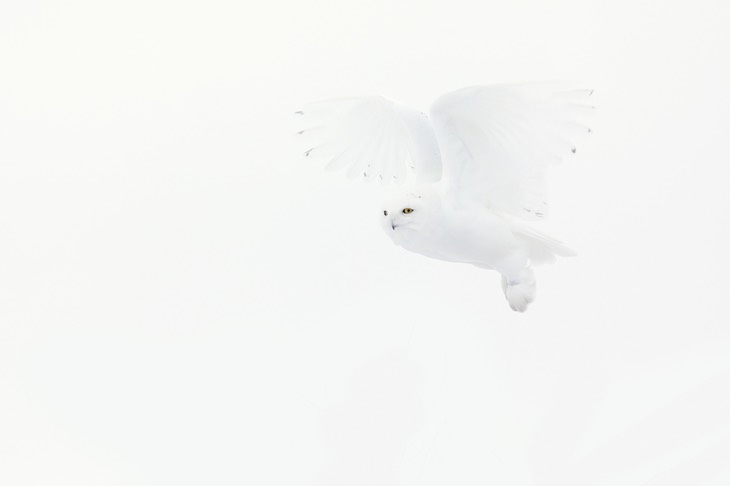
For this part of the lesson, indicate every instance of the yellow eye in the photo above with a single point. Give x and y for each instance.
(407, 211)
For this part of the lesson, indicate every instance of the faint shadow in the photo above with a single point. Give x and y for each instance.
(693, 416)
(366, 434)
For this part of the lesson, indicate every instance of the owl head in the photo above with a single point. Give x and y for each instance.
(410, 210)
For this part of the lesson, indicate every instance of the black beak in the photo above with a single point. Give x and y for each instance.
(392, 226)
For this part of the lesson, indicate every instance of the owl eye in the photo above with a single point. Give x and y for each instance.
(385, 213)
(407, 211)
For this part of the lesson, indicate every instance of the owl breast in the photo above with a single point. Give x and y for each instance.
(474, 240)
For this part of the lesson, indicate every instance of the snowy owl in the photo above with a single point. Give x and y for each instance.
(473, 167)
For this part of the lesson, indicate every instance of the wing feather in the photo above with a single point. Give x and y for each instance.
(497, 142)
(372, 138)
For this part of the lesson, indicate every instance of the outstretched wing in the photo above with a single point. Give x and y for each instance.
(497, 141)
(371, 138)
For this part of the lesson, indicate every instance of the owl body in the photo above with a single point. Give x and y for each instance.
(470, 234)
(462, 234)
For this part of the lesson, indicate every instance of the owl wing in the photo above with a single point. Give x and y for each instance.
(497, 142)
(373, 138)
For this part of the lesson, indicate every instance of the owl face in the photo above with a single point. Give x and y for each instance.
(407, 211)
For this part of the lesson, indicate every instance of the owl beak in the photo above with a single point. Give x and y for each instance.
(392, 226)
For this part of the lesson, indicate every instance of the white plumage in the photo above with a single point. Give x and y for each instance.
(475, 170)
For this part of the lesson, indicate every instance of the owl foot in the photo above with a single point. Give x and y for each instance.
(519, 294)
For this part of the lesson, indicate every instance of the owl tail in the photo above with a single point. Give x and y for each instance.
(541, 248)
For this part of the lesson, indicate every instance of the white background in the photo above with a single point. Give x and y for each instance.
(185, 300)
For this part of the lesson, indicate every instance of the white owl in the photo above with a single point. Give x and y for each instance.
(474, 167)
